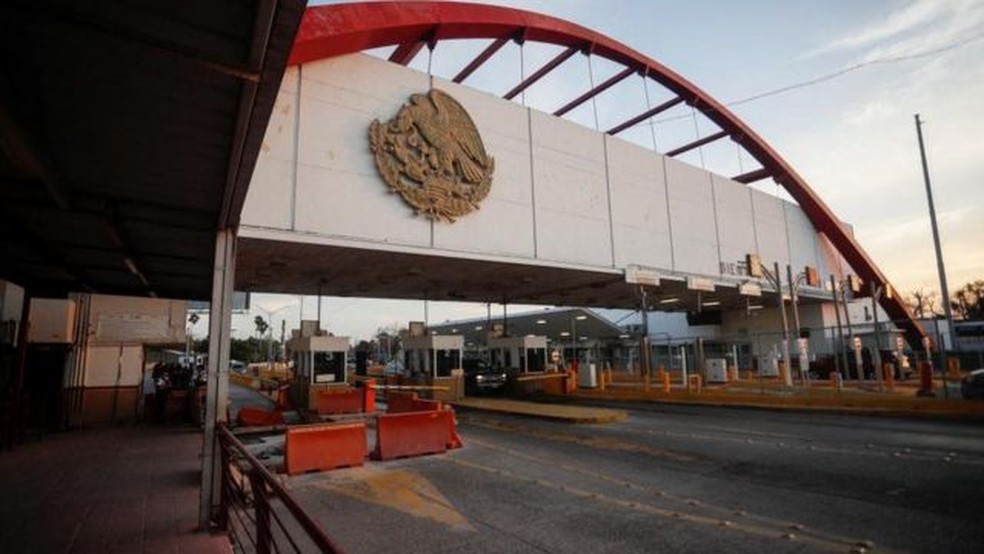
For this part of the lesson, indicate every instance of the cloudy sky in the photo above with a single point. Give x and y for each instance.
(856, 72)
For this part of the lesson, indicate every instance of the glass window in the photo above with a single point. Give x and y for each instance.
(446, 361)
(536, 359)
(329, 367)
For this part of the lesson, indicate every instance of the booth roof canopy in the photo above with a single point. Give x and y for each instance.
(553, 323)
(128, 135)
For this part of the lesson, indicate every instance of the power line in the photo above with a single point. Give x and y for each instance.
(840, 73)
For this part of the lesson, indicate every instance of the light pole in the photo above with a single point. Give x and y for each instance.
(941, 269)
(270, 314)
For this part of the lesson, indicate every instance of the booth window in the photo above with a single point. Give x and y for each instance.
(446, 361)
(329, 367)
(536, 359)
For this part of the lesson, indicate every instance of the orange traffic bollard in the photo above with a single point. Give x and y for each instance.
(666, 382)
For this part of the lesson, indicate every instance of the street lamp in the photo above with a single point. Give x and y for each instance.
(270, 314)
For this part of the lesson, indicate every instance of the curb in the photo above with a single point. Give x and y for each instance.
(914, 413)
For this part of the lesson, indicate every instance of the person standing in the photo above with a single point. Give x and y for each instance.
(149, 388)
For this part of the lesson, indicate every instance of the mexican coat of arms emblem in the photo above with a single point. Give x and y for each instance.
(432, 155)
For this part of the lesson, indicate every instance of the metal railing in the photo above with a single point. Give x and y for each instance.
(257, 512)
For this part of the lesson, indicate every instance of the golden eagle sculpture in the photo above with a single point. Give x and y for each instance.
(431, 153)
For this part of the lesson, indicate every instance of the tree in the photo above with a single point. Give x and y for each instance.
(968, 301)
(924, 304)
(261, 325)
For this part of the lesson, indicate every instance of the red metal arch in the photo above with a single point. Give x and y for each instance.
(334, 30)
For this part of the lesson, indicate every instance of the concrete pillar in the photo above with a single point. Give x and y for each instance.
(217, 395)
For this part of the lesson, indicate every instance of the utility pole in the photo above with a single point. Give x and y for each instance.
(839, 337)
(947, 310)
(785, 326)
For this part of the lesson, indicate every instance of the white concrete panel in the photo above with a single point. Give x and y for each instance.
(692, 219)
(770, 228)
(339, 191)
(571, 192)
(504, 223)
(52, 320)
(830, 260)
(641, 228)
(113, 366)
(136, 320)
(802, 238)
(268, 199)
(736, 230)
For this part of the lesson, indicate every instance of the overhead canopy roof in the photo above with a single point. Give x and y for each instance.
(128, 136)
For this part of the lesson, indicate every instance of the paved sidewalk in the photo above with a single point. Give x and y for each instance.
(127, 489)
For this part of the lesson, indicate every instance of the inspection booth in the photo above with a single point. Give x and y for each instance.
(320, 364)
(435, 360)
(526, 354)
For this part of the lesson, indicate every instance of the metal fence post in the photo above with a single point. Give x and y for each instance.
(264, 539)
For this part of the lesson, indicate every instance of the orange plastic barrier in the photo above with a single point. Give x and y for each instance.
(422, 405)
(348, 401)
(400, 402)
(369, 396)
(401, 435)
(256, 417)
(324, 447)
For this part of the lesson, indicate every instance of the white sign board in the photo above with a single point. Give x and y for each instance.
(750, 289)
(700, 283)
(131, 327)
(637, 275)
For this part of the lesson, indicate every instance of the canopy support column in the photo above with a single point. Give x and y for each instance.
(217, 393)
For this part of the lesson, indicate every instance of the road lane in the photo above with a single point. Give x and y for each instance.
(669, 478)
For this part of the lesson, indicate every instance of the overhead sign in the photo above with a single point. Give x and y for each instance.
(432, 155)
(240, 303)
(750, 289)
(638, 275)
(700, 283)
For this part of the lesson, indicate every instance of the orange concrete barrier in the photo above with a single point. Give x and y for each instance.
(414, 434)
(324, 447)
(346, 401)
(255, 417)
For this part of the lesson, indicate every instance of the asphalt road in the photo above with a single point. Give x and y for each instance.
(669, 479)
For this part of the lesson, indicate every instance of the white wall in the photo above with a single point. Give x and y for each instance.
(562, 193)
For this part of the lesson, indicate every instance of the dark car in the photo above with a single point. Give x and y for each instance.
(972, 386)
(481, 378)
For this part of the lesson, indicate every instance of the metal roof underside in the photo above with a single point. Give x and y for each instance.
(128, 135)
